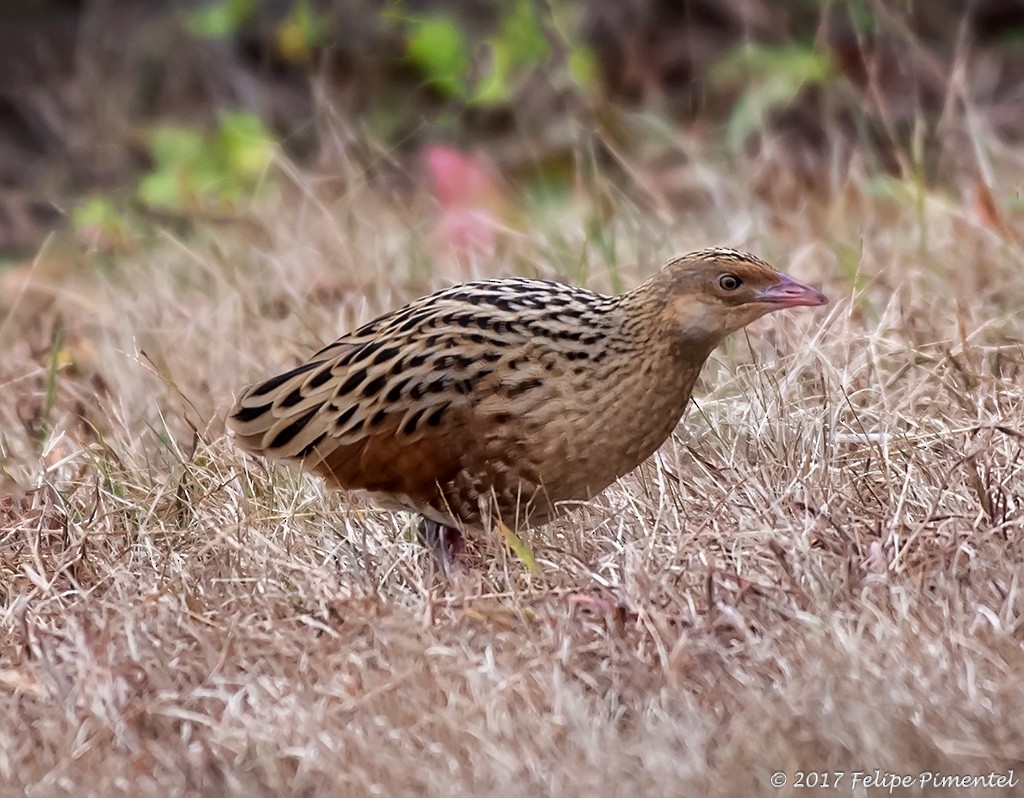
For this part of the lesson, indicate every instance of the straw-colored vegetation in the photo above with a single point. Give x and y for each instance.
(820, 572)
(818, 576)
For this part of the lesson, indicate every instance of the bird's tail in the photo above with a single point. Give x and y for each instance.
(276, 418)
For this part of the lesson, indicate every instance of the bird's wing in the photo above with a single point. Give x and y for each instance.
(395, 406)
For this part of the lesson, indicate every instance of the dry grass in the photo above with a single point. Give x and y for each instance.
(822, 571)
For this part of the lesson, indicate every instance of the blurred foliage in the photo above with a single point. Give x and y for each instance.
(99, 218)
(488, 70)
(767, 79)
(296, 34)
(440, 48)
(518, 45)
(300, 33)
(195, 170)
(220, 19)
(453, 59)
(180, 106)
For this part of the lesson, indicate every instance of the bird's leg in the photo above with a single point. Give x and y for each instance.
(444, 542)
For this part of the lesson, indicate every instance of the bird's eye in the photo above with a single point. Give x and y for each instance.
(729, 282)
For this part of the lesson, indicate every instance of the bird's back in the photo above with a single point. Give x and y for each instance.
(511, 393)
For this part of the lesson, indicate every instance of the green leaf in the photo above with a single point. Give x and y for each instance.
(519, 44)
(583, 66)
(246, 146)
(439, 47)
(495, 88)
(521, 32)
(216, 168)
(161, 190)
(172, 144)
(301, 31)
(220, 19)
(769, 78)
(519, 548)
(96, 212)
(179, 155)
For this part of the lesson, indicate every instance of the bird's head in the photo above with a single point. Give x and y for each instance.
(713, 292)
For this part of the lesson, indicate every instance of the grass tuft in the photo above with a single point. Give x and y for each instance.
(820, 571)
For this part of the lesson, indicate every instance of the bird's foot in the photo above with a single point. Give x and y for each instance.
(445, 542)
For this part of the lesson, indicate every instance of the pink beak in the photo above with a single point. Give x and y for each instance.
(788, 293)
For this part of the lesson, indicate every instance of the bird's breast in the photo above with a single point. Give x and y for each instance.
(578, 431)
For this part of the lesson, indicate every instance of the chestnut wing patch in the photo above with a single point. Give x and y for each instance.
(388, 461)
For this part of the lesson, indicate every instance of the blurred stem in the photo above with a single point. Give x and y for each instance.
(918, 165)
(51, 378)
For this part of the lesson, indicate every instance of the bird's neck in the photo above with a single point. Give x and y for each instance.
(657, 373)
(647, 316)
(628, 399)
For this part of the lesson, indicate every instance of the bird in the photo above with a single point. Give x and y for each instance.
(508, 400)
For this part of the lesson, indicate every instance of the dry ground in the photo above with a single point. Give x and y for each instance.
(820, 572)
